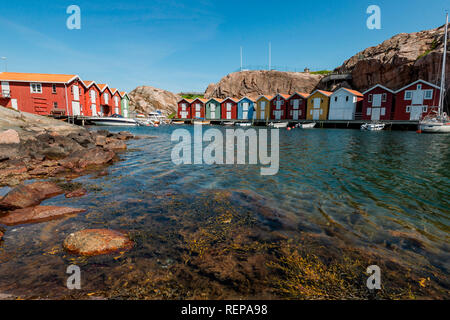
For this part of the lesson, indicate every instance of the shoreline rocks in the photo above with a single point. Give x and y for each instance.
(76, 193)
(92, 242)
(25, 196)
(37, 214)
(35, 152)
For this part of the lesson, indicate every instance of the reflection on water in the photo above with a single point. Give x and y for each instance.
(227, 232)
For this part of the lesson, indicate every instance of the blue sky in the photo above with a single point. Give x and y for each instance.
(185, 45)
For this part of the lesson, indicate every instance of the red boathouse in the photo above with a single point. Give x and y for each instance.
(92, 97)
(416, 100)
(278, 107)
(378, 103)
(198, 108)
(105, 100)
(296, 106)
(116, 101)
(184, 109)
(229, 108)
(43, 94)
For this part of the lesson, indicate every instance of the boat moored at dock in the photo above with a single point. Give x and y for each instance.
(113, 121)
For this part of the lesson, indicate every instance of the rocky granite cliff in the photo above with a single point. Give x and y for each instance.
(398, 61)
(145, 99)
(255, 83)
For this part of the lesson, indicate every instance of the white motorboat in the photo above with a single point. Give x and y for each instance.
(244, 124)
(372, 126)
(201, 122)
(438, 122)
(157, 118)
(114, 121)
(279, 125)
(229, 123)
(307, 125)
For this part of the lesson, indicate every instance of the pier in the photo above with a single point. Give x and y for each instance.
(351, 124)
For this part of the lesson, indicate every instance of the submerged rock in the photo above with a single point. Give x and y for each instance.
(37, 214)
(30, 195)
(124, 135)
(92, 156)
(76, 193)
(91, 242)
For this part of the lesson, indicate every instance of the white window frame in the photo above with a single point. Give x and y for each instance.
(430, 92)
(408, 109)
(369, 111)
(54, 88)
(370, 97)
(384, 97)
(425, 109)
(35, 87)
(411, 95)
(93, 95)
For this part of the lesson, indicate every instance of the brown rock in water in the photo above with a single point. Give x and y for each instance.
(89, 157)
(13, 170)
(37, 214)
(115, 145)
(92, 242)
(25, 196)
(9, 137)
(256, 83)
(100, 140)
(96, 156)
(124, 135)
(76, 193)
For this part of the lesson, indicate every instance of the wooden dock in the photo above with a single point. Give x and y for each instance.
(351, 124)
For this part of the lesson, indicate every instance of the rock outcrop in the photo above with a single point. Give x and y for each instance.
(91, 242)
(256, 83)
(145, 99)
(37, 214)
(25, 196)
(37, 146)
(398, 61)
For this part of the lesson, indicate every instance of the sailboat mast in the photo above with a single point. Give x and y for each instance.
(444, 61)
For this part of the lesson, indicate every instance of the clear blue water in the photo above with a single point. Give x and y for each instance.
(375, 191)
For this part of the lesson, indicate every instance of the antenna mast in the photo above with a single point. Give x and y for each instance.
(270, 56)
(444, 60)
(241, 59)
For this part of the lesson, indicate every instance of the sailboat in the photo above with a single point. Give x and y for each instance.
(439, 122)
